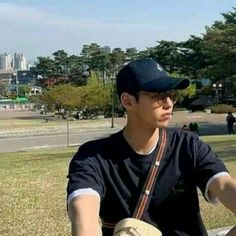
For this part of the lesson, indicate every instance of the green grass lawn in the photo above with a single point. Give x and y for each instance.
(33, 195)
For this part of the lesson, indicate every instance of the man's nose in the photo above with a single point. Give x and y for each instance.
(168, 103)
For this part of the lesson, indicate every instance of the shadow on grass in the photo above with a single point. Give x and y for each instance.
(206, 128)
(226, 154)
(38, 117)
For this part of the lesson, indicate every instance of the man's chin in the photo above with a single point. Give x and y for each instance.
(163, 124)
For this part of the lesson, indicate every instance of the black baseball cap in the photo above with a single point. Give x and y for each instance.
(146, 75)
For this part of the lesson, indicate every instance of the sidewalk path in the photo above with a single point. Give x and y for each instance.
(51, 129)
(209, 124)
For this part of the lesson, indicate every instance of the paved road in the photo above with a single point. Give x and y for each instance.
(23, 143)
(19, 139)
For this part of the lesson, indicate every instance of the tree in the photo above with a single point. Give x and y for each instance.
(219, 48)
(96, 96)
(78, 72)
(131, 54)
(46, 67)
(96, 59)
(230, 17)
(3, 89)
(61, 62)
(24, 90)
(64, 96)
(166, 53)
(189, 92)
(192, 60)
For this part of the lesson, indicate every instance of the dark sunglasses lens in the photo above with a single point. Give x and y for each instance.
(173, 95)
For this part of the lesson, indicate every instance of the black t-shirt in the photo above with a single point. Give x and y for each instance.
(117, 173)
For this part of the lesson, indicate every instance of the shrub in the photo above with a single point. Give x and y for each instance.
(222, 108)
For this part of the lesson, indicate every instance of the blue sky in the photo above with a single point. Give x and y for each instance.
(39, 28)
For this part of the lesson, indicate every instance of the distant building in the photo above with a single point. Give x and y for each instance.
(35, 90)
(20, 62)
(5, 61)
(6, 75)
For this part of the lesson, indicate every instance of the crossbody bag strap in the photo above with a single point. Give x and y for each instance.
(151, 178)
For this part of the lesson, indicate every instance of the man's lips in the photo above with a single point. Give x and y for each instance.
(166, 116)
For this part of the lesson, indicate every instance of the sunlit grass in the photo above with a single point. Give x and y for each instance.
(225, 147)
(33, 191)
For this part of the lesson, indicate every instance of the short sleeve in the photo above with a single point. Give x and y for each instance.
(85, 172)
(207, 164)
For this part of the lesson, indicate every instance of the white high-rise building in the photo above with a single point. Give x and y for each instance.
(20, 62)
(5, 61)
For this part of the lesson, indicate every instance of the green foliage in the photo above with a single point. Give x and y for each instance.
(96, 95)
(46, 66)
(166, 53)
(61, 62)
(131, 53)
(218, 46)
(206, 90)
(3, 89)
(36, 99)
(63, 96)
(24, 90)
(188, 92)
(93, 97)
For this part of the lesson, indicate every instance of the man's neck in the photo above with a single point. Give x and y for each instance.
(141, 141)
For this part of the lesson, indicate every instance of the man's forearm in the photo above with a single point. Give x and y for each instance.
(84, 230)
(84, 216)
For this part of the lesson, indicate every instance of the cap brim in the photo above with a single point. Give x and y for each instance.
(165, 84)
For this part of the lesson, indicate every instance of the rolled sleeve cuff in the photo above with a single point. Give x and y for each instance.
(82, 191)
(211, 198)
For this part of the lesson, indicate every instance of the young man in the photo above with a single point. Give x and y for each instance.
(107, 176)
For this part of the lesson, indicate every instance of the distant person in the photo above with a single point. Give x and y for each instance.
(193, 126)
(230, 119)
(146, 171)
(42, 110)
(185, 127)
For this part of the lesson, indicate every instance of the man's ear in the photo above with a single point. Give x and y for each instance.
(128, 101)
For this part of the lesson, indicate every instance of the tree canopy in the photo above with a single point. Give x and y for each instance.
(212, 56)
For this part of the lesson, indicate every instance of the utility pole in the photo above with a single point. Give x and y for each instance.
(113, 101)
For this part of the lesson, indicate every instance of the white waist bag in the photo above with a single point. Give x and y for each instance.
(135, 227)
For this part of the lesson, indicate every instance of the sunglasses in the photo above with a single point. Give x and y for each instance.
(161, 98)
